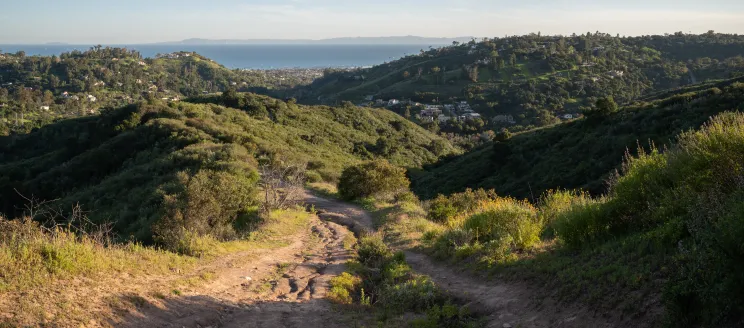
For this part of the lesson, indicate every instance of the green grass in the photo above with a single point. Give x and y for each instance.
(381, 280)
(557, 156)
(39, 267)
(663, 245)
(151, 166)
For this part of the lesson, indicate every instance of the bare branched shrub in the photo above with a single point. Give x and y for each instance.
(52, 219)
(283, 185)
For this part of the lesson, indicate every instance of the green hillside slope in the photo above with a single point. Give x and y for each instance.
(534, 78)
(140, 164)
(36, 90)
(579, 154)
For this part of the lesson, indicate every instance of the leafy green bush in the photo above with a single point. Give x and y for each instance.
(377, 178)
(495, 230)
(208, 203)
(505, 218)
(372, 251)
(556, 202)
(445, 208)
(693, 195)
(343, 288)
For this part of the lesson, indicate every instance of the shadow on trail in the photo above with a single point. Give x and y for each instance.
(204, 311)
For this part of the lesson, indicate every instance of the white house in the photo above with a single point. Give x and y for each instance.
(567, 116)
(92, 98)
(443, 118)
(393, 102)
(44, 107)
(469, 116)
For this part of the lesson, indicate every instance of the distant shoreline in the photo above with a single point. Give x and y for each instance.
(254, 56)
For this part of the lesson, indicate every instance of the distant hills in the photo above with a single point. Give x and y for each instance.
(390, 40)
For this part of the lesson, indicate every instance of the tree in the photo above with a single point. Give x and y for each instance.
(378, 178)
(606, 105)
(500, 64)
(435, 70)
(48, 98)
(513, 60)
(473, 73)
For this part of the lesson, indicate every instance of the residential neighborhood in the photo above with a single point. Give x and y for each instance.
(460, 111)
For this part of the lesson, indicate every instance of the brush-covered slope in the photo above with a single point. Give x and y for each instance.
(194, 163)
(579, 154)
(534, 77)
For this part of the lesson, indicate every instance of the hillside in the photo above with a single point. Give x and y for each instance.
(142, 165)
(582, 153)
(36, 90)
(536, 78)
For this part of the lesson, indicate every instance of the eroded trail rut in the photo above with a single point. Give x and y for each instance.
(285, 287)
(503, 304)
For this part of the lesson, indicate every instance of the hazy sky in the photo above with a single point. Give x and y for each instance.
(140, 21)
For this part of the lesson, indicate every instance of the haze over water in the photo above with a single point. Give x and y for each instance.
(257, 56)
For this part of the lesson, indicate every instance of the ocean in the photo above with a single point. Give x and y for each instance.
(257, 56)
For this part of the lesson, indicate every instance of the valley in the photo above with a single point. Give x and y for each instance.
(528, 181)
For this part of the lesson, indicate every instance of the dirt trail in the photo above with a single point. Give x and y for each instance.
(283, 287)
(504, 304)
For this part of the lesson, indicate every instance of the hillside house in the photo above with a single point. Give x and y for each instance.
(65, 95)
(369, 98)
(616, 73)
(44, 108)
(92, 98)
(443, 118)
(432, 112)
(393, 102)
(379, 102)
(463, 106)
(426, 119)
(504, 119)
(449, 107)
(469, 116)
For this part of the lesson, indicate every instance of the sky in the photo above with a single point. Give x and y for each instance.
(145, 21)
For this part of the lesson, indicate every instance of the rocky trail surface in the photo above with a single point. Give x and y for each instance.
(504, 304)
(285, 287)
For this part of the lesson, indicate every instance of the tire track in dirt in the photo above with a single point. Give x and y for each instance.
(504, 304)
(284, 287)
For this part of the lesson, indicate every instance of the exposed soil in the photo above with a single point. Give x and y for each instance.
(505, 304)
(287, 287)
(283, 288)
